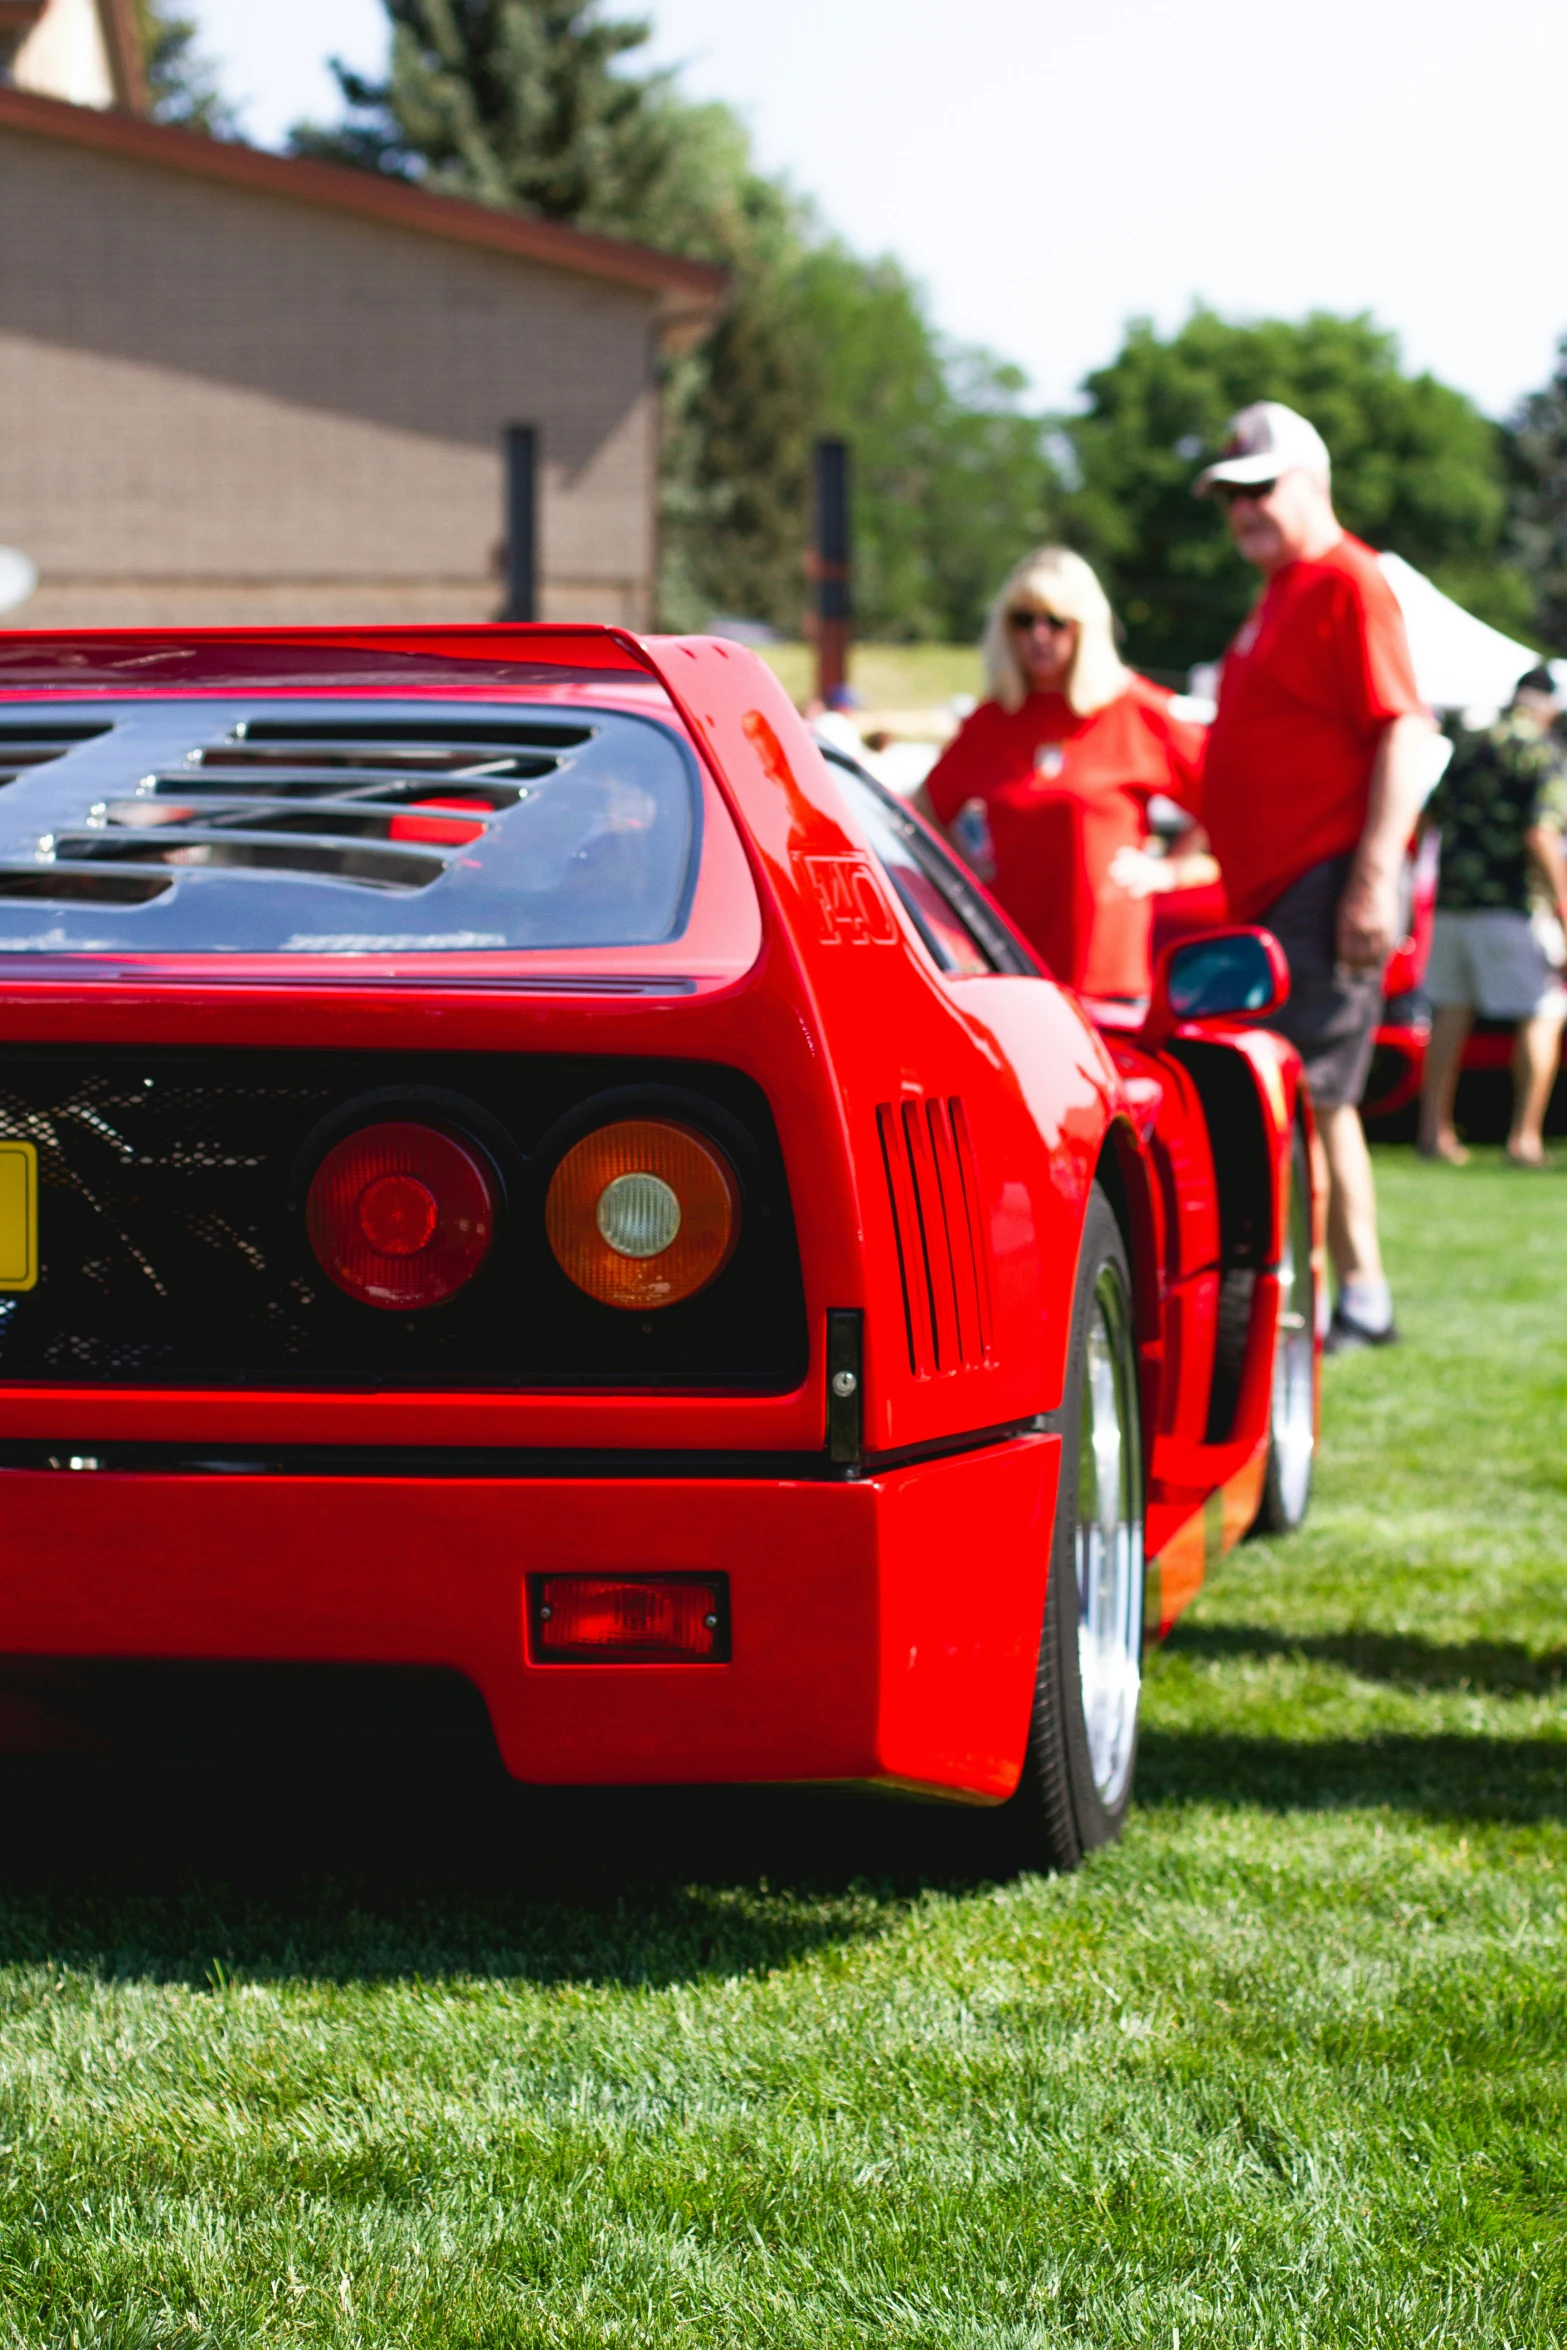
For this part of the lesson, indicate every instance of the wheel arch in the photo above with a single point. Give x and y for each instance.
(1247, 1082)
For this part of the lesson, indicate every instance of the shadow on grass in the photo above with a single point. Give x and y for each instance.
(1445, 1778)
(1499, 1666)
(243, 1830)
(162, 1874)
(361, 1849)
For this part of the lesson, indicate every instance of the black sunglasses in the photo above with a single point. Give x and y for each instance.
(1032, 620)
(1228, 491)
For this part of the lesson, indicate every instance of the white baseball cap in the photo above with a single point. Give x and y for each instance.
(1263, 441)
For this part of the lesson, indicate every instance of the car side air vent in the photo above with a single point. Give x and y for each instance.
(943, 1261)
(353, 800)
(32, 743)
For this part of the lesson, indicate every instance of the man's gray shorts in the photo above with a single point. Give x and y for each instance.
(1494, 960)
(1330, 1018)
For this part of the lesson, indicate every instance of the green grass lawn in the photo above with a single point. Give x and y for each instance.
(437, 2066)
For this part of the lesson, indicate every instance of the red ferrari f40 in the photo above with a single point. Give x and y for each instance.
(514, 1160)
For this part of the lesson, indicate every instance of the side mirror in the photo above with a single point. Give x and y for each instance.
(1223, 974)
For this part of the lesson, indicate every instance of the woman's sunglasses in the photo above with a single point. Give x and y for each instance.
(1025, 622)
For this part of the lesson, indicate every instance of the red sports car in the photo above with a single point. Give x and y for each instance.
(511, 1161)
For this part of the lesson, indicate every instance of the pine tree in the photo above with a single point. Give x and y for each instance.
(515, 102)
(182, 84)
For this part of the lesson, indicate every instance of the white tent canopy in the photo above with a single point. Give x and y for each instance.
(18, 578)
(1460, 663)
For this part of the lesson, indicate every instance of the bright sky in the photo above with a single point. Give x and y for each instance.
(1049, 171)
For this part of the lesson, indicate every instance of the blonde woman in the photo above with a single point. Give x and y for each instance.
(1063, 759)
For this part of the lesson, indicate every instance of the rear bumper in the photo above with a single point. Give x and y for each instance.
(885, 1629)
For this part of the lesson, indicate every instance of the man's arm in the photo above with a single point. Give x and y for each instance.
(1544, 844)
(1368, 910)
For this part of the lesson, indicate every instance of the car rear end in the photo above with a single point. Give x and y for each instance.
(427, 1234)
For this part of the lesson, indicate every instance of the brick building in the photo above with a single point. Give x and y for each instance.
(240, 387)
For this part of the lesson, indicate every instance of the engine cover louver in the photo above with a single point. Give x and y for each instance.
(937, 1221)
(27, 743)
(155, 825)
(366, 803)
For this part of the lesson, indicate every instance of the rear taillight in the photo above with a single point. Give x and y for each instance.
(643, 1213)
(601, 1618)
(400, 1216)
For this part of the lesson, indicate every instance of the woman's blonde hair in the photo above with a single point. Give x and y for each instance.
(1056, 580)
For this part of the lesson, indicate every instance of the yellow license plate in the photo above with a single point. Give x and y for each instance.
(18, 1215)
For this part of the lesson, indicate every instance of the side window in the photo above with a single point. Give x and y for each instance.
(961, 933)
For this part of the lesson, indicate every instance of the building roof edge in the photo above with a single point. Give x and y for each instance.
(685, 287)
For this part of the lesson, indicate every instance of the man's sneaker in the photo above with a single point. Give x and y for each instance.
(1345, 1335)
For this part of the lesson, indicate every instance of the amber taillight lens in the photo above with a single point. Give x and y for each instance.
(643, 1213)
(400, 1216)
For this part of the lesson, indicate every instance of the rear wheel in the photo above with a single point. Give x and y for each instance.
(1082, 1747)
(1292, 1423)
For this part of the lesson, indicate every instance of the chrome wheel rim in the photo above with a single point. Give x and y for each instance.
(1294, 1415)
(1109, 1544)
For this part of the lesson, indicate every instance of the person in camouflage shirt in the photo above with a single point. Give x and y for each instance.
(1497, 944)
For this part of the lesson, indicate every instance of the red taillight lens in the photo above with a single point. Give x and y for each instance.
(401, 1215)
(597, 1618)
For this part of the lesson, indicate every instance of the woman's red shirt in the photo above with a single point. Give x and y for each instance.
(1062, 794)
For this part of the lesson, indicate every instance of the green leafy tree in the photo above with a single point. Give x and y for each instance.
(182, 84)
(738, 409)
(1416, 469)
(952, 482)
(1537, 525)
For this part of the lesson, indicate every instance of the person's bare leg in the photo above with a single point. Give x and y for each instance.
(1536, 1051)
(1353, 1243)
(1450, 1025)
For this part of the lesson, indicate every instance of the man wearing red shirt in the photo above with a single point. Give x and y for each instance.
(1314, 777)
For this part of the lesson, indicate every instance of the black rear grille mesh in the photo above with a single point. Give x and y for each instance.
(173, 1250)
(134, 1228)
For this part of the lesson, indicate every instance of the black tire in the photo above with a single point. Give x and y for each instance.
(1076, 1786)
(1292, 1406)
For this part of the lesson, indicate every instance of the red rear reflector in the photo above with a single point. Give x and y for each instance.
(599, 1618)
